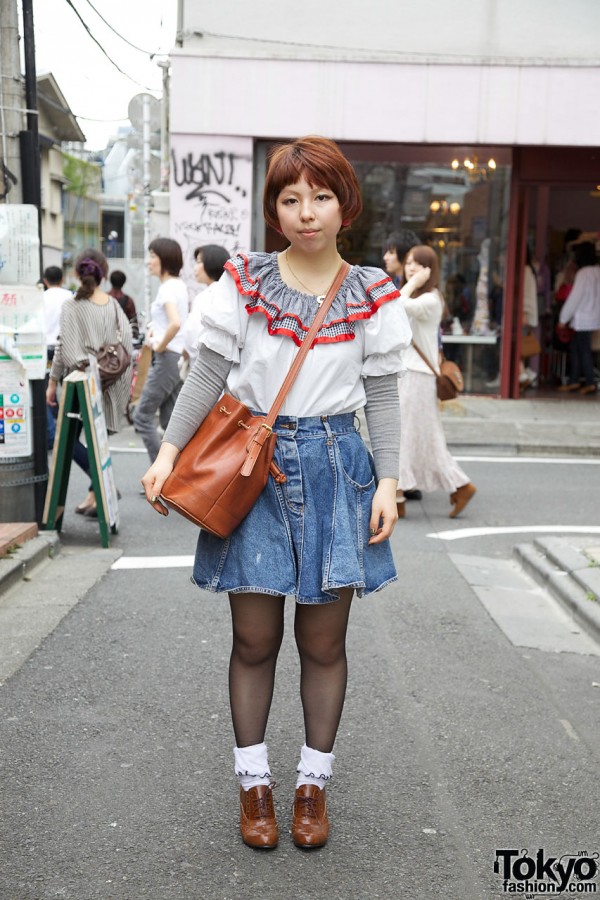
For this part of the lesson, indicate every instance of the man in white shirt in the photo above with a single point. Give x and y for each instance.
(54, 297)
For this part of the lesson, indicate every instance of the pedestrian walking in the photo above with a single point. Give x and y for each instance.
(127, 304)
(425, 461)
(208, 268)
(581, 310)
(88, 321)
(323, 535)
(169, 312)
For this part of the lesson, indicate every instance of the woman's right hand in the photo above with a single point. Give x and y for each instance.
(157, 474)
(51, 393)
(415, 282)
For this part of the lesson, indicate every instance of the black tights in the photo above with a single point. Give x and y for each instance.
(320, 632)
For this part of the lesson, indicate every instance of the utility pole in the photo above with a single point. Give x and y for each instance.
(32, 193)
(147, 198)
(11, 104)
(165, 65)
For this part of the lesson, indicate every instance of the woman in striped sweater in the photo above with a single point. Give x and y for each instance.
(86, 322)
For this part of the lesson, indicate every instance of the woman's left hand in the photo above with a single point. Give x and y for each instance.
(384, 513)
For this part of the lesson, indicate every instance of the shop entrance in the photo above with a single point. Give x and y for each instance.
(555, 203)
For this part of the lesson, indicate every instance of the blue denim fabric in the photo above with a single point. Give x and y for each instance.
(309, 536)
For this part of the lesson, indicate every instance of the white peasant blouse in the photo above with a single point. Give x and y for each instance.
(252, 314)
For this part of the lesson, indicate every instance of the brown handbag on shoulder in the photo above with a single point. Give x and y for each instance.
(449, 381)
(223, 469)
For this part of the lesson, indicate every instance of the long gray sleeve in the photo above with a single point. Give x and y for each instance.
(382, 413)
(201, 390)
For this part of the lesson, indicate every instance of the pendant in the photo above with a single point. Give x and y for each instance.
(320, 299)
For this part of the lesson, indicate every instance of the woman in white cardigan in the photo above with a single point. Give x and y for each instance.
(425, 461)
(581, 310)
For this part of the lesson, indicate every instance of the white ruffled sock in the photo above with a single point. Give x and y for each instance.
(252, 765)
(314, 767)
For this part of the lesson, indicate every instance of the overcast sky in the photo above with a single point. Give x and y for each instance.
(97, 93)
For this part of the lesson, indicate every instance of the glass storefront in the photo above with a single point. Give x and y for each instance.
(456, 200)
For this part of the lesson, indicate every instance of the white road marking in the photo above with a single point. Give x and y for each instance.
(153, 562)
(127, 450)
(569, 729)
(537, 460)
(459, 533)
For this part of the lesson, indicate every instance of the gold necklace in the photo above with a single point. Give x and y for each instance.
(320, 297)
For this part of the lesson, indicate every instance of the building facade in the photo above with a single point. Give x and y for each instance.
(475, 125)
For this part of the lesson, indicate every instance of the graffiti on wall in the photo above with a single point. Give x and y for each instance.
(211, 193)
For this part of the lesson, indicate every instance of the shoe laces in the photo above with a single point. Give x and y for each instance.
(262, 805)
(306, 807)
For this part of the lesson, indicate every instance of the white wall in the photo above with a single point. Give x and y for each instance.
(395, 102)
(210, 193)
(435, 30)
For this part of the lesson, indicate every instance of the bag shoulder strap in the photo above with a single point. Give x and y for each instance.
(266, 428)
(116, 307)
(307, 343)
(424, 358)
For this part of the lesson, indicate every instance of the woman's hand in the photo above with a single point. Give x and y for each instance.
(384, 513)
(415, 281)
(157, 474)
(51, 393)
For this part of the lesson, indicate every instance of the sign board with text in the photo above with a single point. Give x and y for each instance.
(81, 399)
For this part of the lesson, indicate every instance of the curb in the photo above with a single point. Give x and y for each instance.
(461, 447)
(551, 562)
(18, 565)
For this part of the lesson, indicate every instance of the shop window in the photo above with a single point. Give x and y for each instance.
(458, 204)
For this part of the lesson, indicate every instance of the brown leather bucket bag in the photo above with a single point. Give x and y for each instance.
(223, 469)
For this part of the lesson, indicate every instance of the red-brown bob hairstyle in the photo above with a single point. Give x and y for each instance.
(426, 256)
(322, 164)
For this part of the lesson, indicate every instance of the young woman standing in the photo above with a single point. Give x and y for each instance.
(324, 534)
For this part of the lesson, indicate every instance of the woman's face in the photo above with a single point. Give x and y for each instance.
(393, 265)
(154, 265)
(309, 217)
(411, 266)
(200, 272)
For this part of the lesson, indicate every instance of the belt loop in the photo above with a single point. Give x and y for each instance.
(327, 427)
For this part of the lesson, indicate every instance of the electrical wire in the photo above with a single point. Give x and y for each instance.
(96, 41)
(119, 35)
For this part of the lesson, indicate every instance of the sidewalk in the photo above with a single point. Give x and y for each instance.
(568, 426)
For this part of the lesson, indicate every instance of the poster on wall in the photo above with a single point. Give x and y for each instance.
(15, 410)
(19, 244)
(211, 194)
(23, 327)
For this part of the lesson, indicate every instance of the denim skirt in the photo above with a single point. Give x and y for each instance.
(307, 537)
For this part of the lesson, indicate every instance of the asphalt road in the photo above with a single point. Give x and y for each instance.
(456, 742)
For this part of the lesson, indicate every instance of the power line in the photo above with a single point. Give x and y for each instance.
(135, 81)
(119, 35)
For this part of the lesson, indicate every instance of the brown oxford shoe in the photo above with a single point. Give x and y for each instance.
(258, 824)
(310, 825)
(461, 497)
